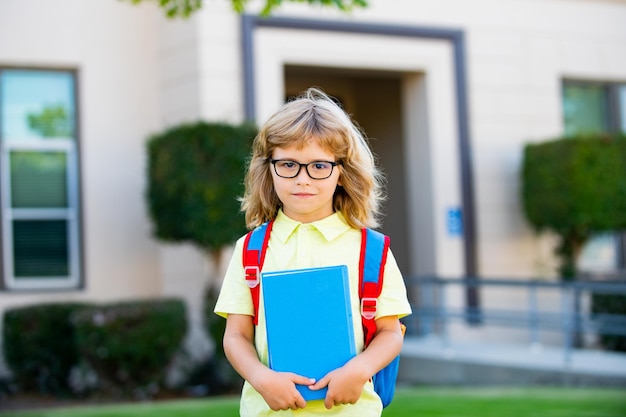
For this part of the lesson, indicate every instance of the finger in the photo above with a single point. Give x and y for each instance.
(301, 380)
(320, 384)
(300, 402)
(329, 402)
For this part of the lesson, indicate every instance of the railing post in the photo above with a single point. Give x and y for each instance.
(567, 311)
(442, 314)
(533, 317)
(427, 305)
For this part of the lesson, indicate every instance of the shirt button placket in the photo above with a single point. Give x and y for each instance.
(303, 246)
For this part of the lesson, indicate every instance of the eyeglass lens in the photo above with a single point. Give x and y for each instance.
(317, 170)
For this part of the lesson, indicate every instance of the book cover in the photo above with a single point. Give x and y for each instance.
(309, 322)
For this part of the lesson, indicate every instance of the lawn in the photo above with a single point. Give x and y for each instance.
(409, 402)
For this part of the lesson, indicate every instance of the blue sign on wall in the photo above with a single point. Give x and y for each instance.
(454, 220)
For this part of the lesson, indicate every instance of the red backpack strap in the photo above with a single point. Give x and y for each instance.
(374, 248)
(254, 248)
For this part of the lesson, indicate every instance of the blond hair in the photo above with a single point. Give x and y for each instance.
(315, 117)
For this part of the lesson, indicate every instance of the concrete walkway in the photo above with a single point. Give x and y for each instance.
(430, 361)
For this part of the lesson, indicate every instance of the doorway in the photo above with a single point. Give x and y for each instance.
(374, 101)
(402, 90)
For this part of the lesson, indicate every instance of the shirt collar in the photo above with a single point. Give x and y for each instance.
(330, 227)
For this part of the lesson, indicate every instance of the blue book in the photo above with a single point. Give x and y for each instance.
(309, 322)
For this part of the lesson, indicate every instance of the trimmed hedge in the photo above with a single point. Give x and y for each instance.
(575, 187)
(195, 176)
(217, 373)
(40, 346)
(131, 344)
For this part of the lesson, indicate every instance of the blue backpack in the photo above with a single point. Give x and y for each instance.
(374, 248)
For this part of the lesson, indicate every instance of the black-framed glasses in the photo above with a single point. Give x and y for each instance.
(317, 170)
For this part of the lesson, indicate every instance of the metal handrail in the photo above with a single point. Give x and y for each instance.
(569, 320)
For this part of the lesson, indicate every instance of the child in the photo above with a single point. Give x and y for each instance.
(313, 173)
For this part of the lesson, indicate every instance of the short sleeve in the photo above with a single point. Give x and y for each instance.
(234, 296)
(393, 300)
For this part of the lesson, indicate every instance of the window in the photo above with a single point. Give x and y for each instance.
(597, 107)
(39, 179)
(585, 108)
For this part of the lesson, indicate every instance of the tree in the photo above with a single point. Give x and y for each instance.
(51, 122)
(185, 8)
(575, 187)
(195, 176)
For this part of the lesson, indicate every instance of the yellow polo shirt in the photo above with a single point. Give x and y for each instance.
(294, 245)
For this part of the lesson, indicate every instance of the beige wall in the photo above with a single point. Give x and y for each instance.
(517, 54)
(113, 46)
(139, 73)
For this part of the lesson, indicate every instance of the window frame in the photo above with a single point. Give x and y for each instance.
(72, 214)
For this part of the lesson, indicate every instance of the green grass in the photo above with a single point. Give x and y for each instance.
(508, 402)
(409, 402)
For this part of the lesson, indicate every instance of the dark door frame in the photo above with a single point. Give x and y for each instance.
(457, 39)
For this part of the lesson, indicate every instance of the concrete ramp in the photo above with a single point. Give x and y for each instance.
(432, 362)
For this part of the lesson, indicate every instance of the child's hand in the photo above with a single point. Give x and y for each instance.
(279, 390)
(345, 386)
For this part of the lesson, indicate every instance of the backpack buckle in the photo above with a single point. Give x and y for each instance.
(368, 307)
(252, 275)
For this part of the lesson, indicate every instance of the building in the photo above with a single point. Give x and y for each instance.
(449, 92)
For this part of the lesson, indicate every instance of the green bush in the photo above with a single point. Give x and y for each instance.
(609, 304)
(195, 176)
(216, 373)
(131, 344)
(40, 346)
(575, 187)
